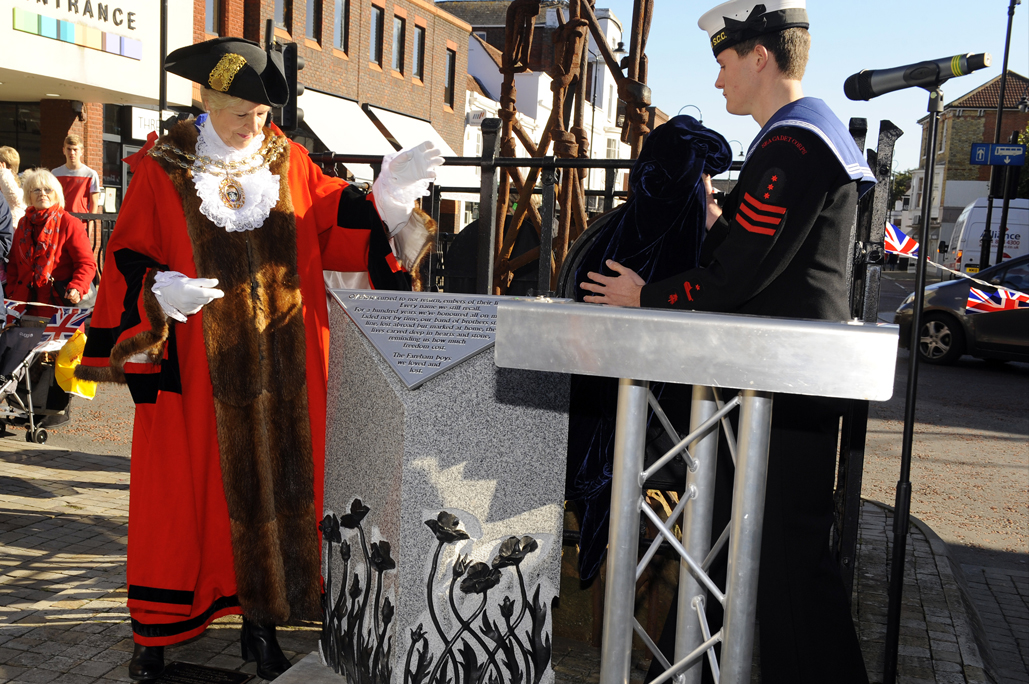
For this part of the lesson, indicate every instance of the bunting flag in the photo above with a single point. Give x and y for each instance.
(14, 311)
(62, 325)
(979, 301)
(899, 243)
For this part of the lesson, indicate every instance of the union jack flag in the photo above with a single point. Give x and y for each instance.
(980, 301)
(15, 310)
(65, 322)
(899, 243)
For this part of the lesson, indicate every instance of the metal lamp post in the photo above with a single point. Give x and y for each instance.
(987, 237)
(730, 148)
(700, 114)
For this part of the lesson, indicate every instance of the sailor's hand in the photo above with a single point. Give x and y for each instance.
(620, 290)
(181, 296)
(713, 210)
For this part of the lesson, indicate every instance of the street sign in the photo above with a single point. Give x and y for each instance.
(1003, 154)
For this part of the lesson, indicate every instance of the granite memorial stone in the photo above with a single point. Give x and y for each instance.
(444, 494)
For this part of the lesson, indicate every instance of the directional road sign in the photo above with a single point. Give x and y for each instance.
(1004, 154)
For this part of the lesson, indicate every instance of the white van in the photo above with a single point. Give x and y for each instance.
(964, 251)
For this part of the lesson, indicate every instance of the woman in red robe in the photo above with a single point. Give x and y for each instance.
(213, 310)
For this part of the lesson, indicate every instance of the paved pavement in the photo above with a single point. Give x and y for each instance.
(63, 525)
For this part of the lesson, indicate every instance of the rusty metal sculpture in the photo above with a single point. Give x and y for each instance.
(565, 128)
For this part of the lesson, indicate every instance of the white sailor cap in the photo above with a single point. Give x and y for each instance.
(740, 20)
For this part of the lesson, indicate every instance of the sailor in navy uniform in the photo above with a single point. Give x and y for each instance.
(779, 247)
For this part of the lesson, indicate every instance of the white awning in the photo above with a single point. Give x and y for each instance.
(409, 132)
(344, 128)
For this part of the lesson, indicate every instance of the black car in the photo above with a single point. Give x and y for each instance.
(948, 331)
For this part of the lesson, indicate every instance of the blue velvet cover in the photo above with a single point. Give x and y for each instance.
(658, 234)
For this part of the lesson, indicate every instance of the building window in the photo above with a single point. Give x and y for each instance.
(610, 103)
(313, 29)
(19, 128)
(213, 17)
(480, 34)
(399, 40)
(943, 136)
(341, 26)
(375, 43)
(112, 122)
(284, 14)
(419, 52)
(612, 148)
(451, 73)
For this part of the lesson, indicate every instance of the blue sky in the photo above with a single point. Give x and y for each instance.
(846, 38)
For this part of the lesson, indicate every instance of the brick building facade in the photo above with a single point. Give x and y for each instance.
(90, 92)
(345, 58)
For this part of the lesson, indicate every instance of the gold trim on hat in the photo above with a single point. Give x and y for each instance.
(226, 69)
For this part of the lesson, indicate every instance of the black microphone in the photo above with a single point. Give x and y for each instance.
(870, 83)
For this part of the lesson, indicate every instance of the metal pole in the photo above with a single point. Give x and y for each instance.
(1002, 234)
(609, 189)
(987, 237)
(623, 537)
(546, 230)
(748, 509)
(696, 529)
(902, 504)
(488, 206)
(162, 98)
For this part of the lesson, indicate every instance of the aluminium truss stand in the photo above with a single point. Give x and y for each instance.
(709, 351)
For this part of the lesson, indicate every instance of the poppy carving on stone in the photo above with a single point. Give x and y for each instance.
(490, 640)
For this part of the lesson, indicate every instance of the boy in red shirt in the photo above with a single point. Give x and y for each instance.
(80, 183)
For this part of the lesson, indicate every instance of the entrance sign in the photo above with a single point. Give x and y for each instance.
(1003, 154)
(422, 334)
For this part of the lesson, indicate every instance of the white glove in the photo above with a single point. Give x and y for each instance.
(405, 176)
(181, 296)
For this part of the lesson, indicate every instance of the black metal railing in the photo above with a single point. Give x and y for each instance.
(488, 163)
(98, 230)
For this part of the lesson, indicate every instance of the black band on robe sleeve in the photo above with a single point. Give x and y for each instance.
(133, 267)
(357, 211)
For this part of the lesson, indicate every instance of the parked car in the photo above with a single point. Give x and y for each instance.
(948, 332)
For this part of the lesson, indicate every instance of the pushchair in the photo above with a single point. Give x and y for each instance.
(29, 392)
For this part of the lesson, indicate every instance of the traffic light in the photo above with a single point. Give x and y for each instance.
(292, 115)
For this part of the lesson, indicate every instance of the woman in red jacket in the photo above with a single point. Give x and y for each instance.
(51, 261)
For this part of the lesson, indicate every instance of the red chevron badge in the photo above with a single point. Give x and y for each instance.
(758, 217)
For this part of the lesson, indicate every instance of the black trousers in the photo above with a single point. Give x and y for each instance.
(806, 631)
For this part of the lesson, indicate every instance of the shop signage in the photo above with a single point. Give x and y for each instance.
(146, 120)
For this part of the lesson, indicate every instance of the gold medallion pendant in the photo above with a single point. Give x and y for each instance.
(231, 193)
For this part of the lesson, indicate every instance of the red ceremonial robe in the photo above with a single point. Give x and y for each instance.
(191, 502)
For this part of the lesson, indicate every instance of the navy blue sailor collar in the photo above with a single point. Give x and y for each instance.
(814, 115)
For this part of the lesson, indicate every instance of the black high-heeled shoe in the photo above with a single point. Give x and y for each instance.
(258, 643)
(147, 662)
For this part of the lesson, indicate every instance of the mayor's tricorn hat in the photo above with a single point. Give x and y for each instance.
(738, 21)
(233, 66)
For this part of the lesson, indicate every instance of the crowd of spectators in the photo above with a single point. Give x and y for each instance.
(46, 254)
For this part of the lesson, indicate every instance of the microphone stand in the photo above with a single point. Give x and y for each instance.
(902, 505)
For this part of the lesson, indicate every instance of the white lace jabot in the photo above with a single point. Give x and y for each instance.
(260, 188)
